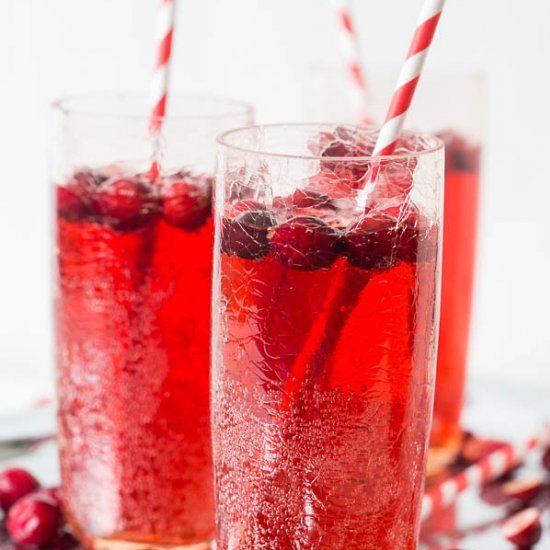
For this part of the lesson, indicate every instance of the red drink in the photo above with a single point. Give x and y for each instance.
(459, 246)
(133, 331)
(325, 332)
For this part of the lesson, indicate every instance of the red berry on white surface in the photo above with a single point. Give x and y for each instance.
(33, 520)
(15, 483)
(524, 528)
(523, 490)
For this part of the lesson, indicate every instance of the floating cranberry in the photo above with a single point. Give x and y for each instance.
(304, 203)
(78, 197)
(87, 178)
(245, 205)
(121, 199)
(309, 198)
(186, 205)
(15, 483)
(384, 236)
(71, 205)
(337, 149)
(371, 240)
(523, 490)
(246, 235)
(524, 528)
(305, 243)
(33, 520)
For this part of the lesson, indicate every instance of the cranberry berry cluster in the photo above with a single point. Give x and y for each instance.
(305, 232)
(130, 202)
(32, 515)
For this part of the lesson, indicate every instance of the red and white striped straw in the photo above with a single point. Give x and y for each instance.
(349, 46)
(159, 83)
(409, 77)
(490, 467)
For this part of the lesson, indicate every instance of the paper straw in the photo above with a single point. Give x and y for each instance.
(159, 83)
(404, 90)
(409, 77)
(490, 467)
(331, 323)
(349, 46)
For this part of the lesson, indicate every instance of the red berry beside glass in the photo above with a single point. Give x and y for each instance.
(32, 514)
(34, 520)
(15, 483)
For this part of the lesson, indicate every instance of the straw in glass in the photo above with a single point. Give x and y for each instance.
(408, 77)
(328, 325)
(159, 83)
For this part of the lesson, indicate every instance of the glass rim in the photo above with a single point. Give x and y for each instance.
(222, 140)
(73, 105)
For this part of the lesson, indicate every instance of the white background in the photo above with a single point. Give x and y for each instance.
(260, 50)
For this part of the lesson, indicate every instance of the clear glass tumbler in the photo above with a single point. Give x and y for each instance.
(324, 336)
(452, 105)
(132, 310)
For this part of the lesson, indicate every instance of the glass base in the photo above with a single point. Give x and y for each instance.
(114, 544)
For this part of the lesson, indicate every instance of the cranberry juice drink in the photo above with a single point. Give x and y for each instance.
(457, 283)
(134, 260)
(133, 334)
(450, 103)
(324, 337)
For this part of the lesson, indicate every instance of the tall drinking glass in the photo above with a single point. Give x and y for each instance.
(132, 312)
(450, 104)
(324, 336)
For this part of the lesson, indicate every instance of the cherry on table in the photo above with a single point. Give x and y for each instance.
(33, 520)
(523, 529)
(523, 490)
(15, 483)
